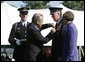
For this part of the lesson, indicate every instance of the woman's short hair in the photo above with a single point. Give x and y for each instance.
(37, 17)
(68, 15)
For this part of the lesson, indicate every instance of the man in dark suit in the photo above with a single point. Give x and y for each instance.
(36, 40)
(18, 35)
(56, 13)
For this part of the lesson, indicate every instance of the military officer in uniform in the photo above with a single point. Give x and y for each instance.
(56, 13)
(18, 35)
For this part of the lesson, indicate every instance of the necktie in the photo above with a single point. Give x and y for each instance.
(24, 24)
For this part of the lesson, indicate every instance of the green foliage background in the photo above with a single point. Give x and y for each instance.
(75, 5)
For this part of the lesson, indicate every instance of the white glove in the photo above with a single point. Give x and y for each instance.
(17, 41)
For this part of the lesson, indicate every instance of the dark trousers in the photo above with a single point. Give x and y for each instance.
(18, 54)
(31, 56)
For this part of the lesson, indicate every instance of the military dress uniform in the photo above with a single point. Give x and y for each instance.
(18, 36)
(18, 32)
(56, 40)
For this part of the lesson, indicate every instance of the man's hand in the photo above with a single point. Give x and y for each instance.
(53, 30)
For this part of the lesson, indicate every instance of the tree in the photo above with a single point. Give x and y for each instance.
(36, 4)
(75, 5)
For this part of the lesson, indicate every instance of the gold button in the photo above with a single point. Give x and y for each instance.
(25, 35)
(25, 39)
(25, 31)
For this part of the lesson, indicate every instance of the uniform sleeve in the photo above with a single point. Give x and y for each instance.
(12, 36)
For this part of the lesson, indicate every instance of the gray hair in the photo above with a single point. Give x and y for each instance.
(37, 17)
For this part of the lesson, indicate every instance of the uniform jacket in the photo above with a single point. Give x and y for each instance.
(18, 31)
(56, 42)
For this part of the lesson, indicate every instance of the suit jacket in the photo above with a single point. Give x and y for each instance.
(36, 40)
(69, 40)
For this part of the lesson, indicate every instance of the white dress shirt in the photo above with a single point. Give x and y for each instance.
(24, 23)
